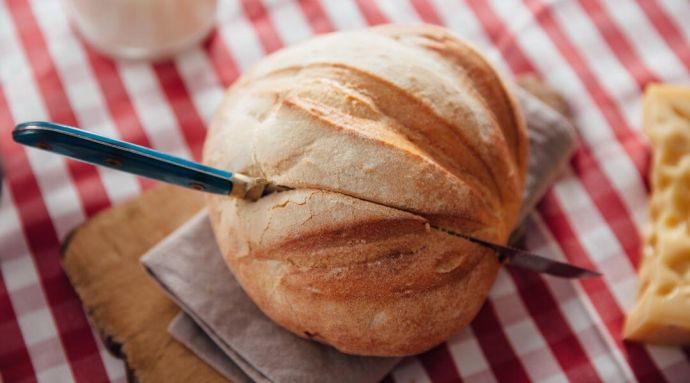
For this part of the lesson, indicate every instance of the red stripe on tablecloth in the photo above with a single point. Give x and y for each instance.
(371, 12)
(268, 34)
(221, 59)
(629, 139)
(500, 355)
(190, 122)
(668, 29)
(89, 186)
(439, 365)
(545, 312)
(604, 302)
(73, 328)
(607, 201)
(620, 45)
(15, 362)
(316, 16)
(426, 12)
(538, 299)
(119, 104)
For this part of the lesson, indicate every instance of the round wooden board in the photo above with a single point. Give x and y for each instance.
(131, 313)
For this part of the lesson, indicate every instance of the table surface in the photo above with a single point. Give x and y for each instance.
(598, 53)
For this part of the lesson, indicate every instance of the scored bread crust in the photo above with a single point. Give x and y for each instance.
(384, 134)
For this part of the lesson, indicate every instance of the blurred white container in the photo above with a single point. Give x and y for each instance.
(143, 29)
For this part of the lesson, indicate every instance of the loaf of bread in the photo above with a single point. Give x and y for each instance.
(385, 135)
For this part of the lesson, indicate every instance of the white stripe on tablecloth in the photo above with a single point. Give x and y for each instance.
(238, 34)
(555, 379)
(15, 259)
(82, 90)
(24, 101)
(468, 355)
(154, 112)
(458, 18)
(400, 12)
(201, 80)
(20, 272)
(289, 20)
(649, 46)
(344, 15)
(60, 373)
(292, 30)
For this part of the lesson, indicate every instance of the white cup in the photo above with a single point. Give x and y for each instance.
(143, 29)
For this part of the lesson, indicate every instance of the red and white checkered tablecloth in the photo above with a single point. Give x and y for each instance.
(598, 53)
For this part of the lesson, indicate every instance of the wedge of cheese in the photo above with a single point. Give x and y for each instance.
(661, 314)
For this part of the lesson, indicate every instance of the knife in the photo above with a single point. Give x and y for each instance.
(124, 156)
(95, 149)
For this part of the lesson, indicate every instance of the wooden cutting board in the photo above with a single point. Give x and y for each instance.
(130, 311)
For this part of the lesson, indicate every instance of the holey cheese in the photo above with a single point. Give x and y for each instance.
(662, 312)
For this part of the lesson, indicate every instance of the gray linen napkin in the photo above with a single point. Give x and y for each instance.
(232, 334)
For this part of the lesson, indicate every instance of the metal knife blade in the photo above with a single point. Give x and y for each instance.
(527, 260)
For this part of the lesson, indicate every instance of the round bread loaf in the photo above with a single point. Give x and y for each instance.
(385, 135)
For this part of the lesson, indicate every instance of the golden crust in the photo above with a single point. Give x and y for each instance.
(383, 133)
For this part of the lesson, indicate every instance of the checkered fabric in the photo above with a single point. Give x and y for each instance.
(598, 53)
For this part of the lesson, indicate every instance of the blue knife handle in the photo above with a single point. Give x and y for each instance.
(99, 150)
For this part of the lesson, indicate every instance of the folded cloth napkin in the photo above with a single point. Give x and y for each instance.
(227, 330)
